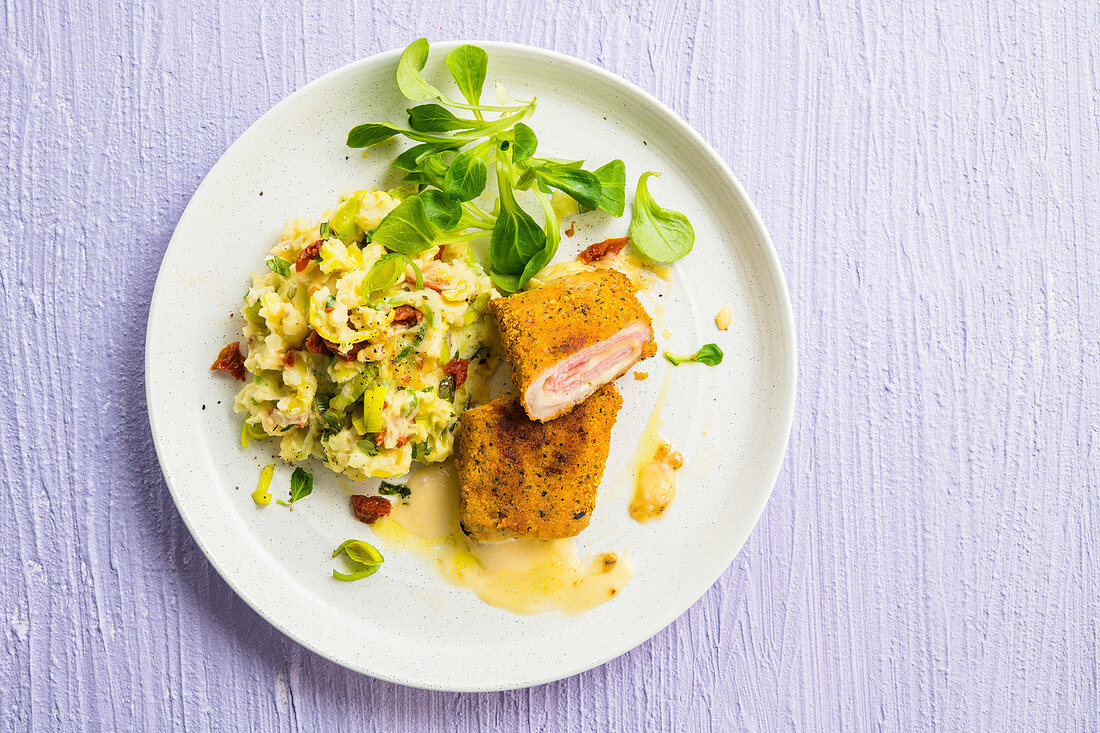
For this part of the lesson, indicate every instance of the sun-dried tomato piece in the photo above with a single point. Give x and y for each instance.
(316, 344)
(230, 360)
(308, 254)
(370, 509)
(406, 315)
(350, 353)
(457, 369)
(319, 345)
(599, 250)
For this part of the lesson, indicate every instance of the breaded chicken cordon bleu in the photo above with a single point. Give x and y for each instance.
(522, 478)
(570, 337)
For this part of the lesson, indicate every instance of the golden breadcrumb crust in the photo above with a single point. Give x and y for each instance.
(521, 478)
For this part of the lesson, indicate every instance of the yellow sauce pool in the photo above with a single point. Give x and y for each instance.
(522, 575)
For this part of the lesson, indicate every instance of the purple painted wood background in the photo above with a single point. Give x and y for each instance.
(929, 173)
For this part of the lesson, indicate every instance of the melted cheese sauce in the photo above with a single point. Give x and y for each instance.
(654, 465)
(431, 511)
(651, 435)
(521, 575)
(640, 271)
(656, 486)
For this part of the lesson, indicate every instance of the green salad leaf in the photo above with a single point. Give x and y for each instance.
(524, 143)
(580, 184)
(371, 133)
(449, 166)
(409, 66)
(516, 238)
(468, 65)
(443, 212)
(411, 159)
(434, 117)
(662, 235)
(465, 177)
(612, 178)
(406, 229)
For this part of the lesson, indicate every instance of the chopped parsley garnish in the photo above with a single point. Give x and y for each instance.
(279, 266)
(332, 423)
(301, 486)
(388, 489)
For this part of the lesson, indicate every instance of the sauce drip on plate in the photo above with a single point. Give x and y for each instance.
(654, 465)
(656, 486)
(521, 575)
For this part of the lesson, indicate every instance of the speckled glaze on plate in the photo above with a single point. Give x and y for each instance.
(405, 624)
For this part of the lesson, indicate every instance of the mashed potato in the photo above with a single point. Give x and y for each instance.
(351, 359)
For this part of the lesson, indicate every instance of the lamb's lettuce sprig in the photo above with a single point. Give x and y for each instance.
(662, 235)
(451, 161)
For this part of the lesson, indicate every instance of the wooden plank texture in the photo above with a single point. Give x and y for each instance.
(929, 174)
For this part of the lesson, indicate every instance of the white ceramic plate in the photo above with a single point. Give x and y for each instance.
(405, 624)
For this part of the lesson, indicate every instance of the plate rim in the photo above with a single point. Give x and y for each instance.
(770, 256)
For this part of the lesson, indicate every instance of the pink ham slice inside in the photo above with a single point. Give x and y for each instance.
(574, 378)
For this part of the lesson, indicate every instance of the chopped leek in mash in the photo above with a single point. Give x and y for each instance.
(360, 357)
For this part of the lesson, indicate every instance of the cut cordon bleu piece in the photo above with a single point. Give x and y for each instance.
(571, 336)
(521, 478)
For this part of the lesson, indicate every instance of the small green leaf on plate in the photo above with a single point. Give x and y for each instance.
(709, 354)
